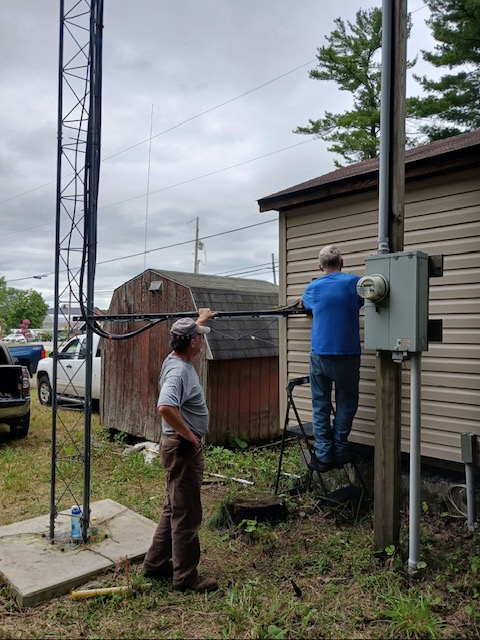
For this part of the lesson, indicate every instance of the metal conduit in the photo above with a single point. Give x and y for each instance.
(415, 424)
(384, 177)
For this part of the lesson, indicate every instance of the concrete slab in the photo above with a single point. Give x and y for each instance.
(37, 569)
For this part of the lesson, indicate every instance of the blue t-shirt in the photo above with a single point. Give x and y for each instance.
(335, 305)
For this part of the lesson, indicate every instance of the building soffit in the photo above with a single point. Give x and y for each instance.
(444, 156)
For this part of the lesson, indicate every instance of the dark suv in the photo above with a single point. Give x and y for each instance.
(14, 394)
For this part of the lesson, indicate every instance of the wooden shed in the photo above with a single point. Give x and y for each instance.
(442, 216)
(238, 367)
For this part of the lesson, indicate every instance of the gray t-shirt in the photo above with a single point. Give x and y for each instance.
(180, 387)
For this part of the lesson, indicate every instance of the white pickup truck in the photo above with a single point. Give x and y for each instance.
(71, 366)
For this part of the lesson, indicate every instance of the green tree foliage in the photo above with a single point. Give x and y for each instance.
(3, 320)
(17, 305)
(453, 101)
(352, 59)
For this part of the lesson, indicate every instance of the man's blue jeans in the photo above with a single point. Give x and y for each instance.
(343, 372)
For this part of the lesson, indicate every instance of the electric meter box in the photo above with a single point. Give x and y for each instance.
(399, 320)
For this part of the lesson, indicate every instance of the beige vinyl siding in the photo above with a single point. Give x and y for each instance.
(442, 216)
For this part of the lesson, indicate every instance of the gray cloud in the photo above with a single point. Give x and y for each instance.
(185, 58)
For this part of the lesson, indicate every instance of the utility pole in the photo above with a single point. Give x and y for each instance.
(273, 269)
(195, 259)
(390, 239)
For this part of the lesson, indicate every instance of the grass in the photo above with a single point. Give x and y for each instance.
(311, 575)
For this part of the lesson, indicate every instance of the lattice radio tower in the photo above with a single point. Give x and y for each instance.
(78, 164)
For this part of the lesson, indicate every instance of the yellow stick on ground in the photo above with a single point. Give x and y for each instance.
(91, 593)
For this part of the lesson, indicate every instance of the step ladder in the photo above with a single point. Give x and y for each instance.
(352, 492)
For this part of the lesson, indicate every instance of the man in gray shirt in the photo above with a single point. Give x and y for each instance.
(175, 549)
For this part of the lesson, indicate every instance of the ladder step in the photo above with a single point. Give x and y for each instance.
(295, 430)
(349, 493)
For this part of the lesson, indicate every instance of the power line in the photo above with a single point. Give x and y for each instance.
(178, 184)
(211, 173)
(266, 268)
(172, 186)
(419, 9)
(176, 126)
(233, 271)
(243, 274)
(170, 246)
(178, 244)
(202, 113)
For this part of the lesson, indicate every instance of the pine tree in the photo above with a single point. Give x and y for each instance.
(352, 59)
(452, 103)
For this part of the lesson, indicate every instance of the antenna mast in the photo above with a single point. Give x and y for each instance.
(195, 259)
(78, 153)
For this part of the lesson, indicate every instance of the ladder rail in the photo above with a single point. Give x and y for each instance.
(301, 435)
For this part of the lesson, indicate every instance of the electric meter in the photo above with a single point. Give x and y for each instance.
(395, 290)
(373, 288)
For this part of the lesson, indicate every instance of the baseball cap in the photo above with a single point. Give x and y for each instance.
(187, 327)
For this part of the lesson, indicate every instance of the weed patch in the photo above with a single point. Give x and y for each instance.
(309, 575)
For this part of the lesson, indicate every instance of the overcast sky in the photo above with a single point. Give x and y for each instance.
(221, 84)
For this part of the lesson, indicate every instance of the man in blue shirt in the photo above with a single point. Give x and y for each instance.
(334, 357)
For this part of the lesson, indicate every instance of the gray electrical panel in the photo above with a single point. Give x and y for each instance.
(398, 321)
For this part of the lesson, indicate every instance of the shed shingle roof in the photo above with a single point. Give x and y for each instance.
(234, 338)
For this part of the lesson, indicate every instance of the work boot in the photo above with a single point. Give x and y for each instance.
(200, 584)
(341, 462)
(165, 573)
(320, 465)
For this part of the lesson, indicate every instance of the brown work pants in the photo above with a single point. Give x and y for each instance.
(175, 539)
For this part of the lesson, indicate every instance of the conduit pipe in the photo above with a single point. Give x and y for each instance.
(415, 425)
(468, 443)
(470, 482)
(384, 176)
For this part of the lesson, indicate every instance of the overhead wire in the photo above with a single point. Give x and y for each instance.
(176, 126)
(249, 334)
(202, 113)
(169, 246)
(210, 173)
(66, 258)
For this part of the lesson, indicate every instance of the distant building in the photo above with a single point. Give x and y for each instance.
(65, 319)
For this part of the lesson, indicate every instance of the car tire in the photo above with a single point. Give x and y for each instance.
(20, 429)
(44, 391)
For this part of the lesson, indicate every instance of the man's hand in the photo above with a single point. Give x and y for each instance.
(204, 315)
(173, 418)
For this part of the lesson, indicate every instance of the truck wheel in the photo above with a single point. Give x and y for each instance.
(20, 429)
(44, 391)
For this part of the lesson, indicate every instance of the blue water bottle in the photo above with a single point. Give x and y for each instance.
(76, 527)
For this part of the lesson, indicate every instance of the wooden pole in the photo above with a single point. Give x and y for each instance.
(388, 374)
(195, 255)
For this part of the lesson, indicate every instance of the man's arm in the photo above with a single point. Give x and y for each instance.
(173, 418)
(204, 315)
